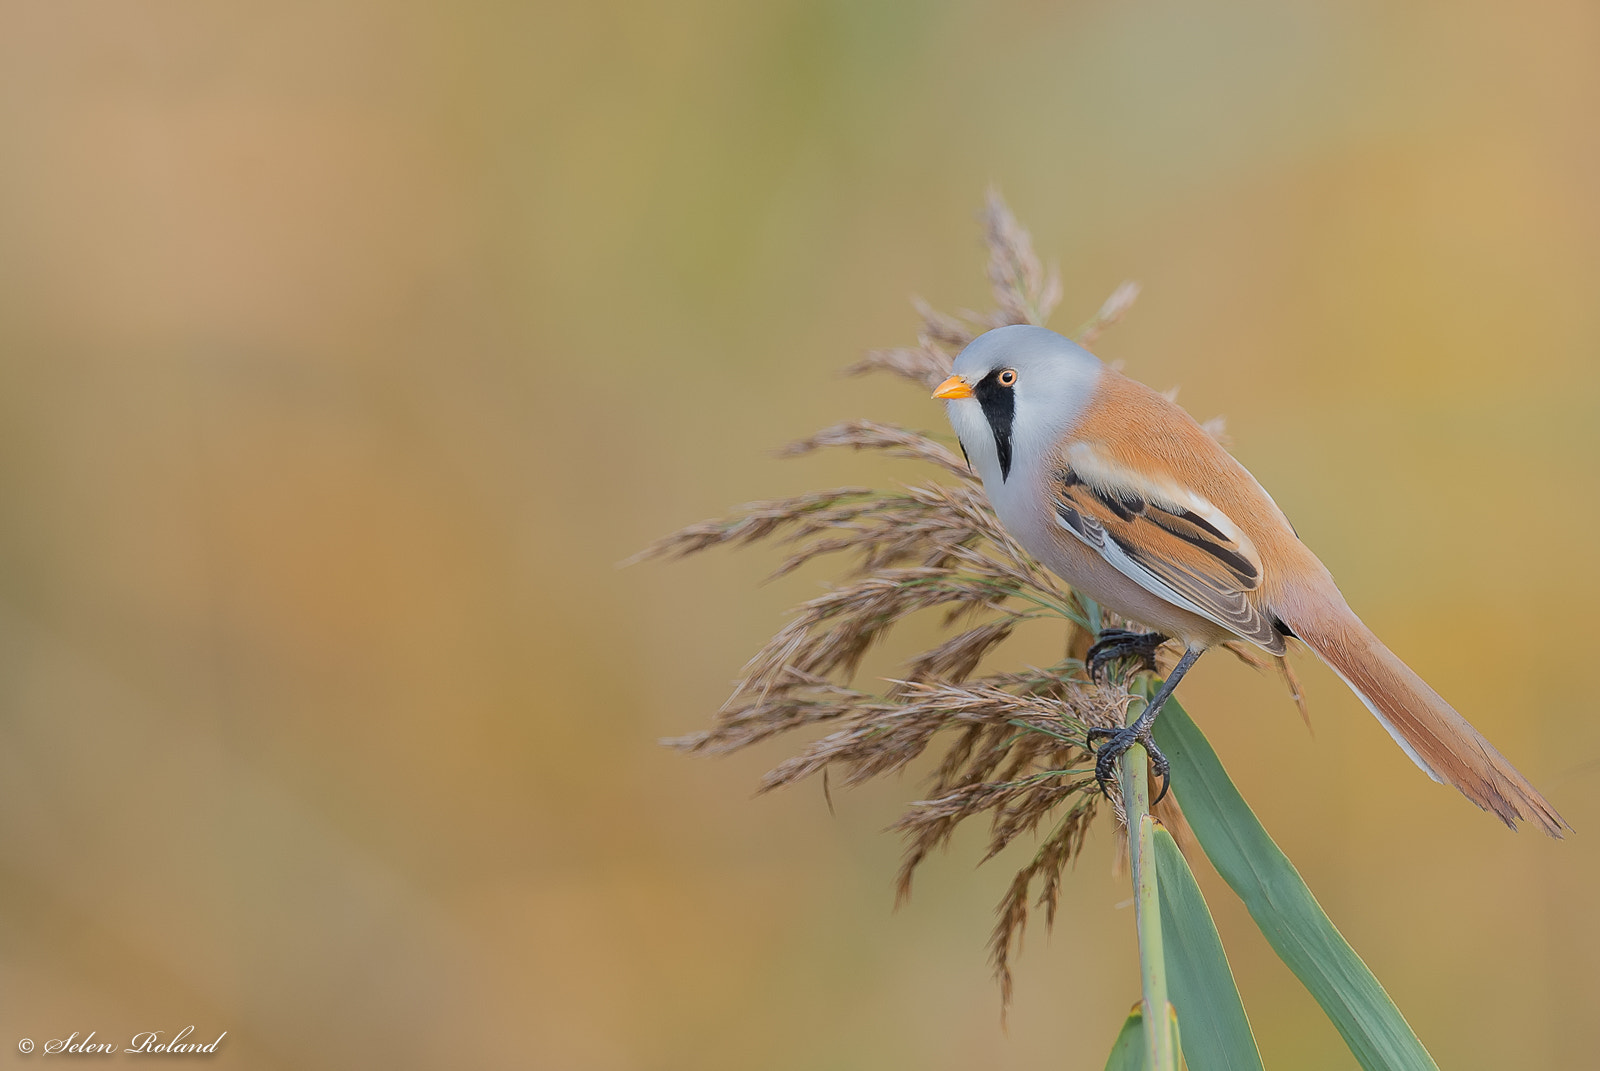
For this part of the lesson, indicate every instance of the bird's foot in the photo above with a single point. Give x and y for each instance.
(1118, 741)
(1115, 643)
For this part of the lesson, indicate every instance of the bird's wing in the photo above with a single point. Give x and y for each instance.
(1166, 538)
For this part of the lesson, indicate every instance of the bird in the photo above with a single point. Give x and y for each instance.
(1117, 490)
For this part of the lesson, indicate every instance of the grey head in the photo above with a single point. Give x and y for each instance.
(1015, 392)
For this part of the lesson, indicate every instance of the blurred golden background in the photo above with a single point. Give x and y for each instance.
(346, 348)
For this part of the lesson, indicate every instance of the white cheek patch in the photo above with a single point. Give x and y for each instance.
(972, 428)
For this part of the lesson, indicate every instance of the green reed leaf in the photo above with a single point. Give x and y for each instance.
(1200, 983)
(1128, 1052)
(1283, 908)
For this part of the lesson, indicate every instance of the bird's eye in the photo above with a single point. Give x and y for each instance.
(1008, 377)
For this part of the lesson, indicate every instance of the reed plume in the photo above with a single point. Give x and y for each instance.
(1008, 745)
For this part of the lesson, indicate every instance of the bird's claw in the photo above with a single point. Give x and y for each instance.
(1115, 643)
(1117, 741)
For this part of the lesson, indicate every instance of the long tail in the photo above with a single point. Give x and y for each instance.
(1440, 741)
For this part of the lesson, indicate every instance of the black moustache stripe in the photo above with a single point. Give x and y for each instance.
(1000, 408)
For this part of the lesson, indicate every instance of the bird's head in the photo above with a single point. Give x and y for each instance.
(1015, 392)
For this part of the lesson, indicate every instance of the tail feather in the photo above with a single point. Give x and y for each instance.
(1440, 741)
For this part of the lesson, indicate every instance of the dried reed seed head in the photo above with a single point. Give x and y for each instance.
(941, 331)
(897, 442)
(1111, 312)
(924, 365)
(956, 658)
(1024, 291)
(832, 632)
(757, 521)
(791, 707)
(1049, 862)
(1009, 745)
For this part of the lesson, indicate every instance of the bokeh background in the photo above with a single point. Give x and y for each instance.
(345, 348)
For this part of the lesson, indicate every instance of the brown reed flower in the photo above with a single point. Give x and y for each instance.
(1010, 745)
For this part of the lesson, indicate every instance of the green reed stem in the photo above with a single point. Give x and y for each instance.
(1160, 1052)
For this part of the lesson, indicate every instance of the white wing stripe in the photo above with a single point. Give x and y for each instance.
(1149, 581)
(1094, 536)
(1098, 470)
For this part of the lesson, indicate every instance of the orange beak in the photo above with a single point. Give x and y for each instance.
(954, 387)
